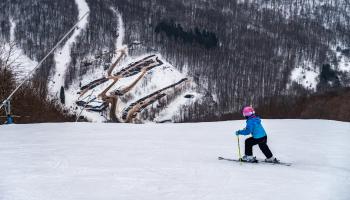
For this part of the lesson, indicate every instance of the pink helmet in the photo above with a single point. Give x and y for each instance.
(247, 111)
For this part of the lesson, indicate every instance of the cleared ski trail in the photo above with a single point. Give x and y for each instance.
(172, 161)
(62, 56)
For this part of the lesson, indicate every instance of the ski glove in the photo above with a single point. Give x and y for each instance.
(237, 132)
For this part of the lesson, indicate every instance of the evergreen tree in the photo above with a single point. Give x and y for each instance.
(328, 78)
(62, 97)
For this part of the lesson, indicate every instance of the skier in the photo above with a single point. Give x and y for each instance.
(259, 136)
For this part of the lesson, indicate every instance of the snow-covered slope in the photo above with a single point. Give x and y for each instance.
(343, 61)
(305, 75)
(154, 80)
(62, 56)
(172, 161)
(14, 55)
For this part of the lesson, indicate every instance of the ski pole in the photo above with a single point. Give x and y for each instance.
(239, 149)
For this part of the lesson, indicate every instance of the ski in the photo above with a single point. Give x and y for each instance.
(236, 160)
(257, 161)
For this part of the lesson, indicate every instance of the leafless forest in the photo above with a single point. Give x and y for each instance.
(240, 52)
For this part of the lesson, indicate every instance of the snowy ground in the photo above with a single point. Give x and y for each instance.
(171, 161)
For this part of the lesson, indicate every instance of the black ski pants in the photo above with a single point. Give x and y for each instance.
(250, 142)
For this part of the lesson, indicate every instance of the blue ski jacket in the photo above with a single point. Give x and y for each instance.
(253, 127)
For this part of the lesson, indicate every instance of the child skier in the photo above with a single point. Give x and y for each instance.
(259, 136)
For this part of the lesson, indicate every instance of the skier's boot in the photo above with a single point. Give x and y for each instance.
(246, 158)
(272, 160)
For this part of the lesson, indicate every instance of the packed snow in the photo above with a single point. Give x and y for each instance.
(172, 161)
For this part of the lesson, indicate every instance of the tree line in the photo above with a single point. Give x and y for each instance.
(173, 30)
(240, 52)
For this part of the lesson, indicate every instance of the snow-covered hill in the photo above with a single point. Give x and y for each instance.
(237, 52)
(12, 55)
(172, 161)
(95, 102)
